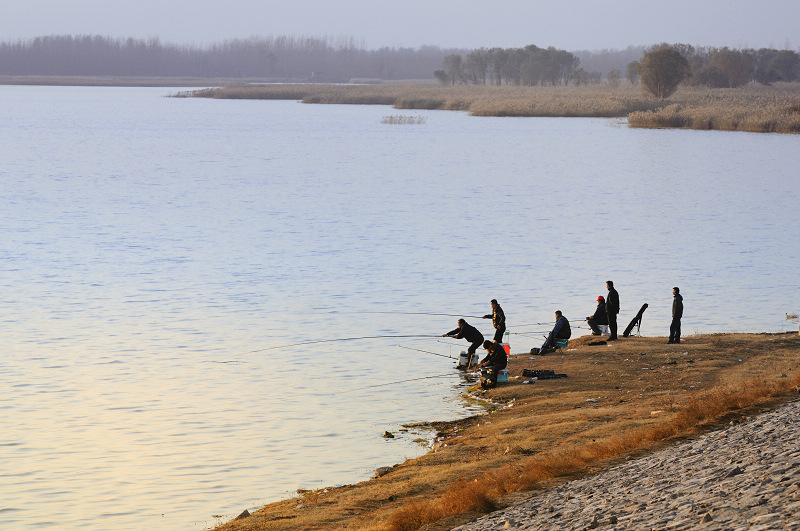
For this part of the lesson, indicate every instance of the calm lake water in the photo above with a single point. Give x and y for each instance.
(162, 260)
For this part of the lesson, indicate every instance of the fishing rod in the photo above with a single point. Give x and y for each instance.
(531, 334)
(417, 313)
(302, 343)
(427, 352)
(428, 313)
(400, 381)
(450, 343)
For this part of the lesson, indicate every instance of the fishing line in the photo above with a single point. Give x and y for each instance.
(327, 341)
(400, 381)
(531, 334)
(449, 343)
(427, 352)
(421, 313)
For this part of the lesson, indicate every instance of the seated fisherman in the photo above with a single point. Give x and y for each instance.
(468, 332)
(600, 317)
(494, 362)
(560, 331)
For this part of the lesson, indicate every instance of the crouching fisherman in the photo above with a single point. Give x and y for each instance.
(600, 317)
(494, 362)
(560, 331)
(471, 334)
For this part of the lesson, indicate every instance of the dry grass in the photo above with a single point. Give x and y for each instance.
(404, 120)
(754, 108)
(645, 394)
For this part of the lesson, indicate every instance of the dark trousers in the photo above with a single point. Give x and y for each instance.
(675, 331)
(474, 347)
(489, 374)
(498, 334)
(593, 325)
(612, 325)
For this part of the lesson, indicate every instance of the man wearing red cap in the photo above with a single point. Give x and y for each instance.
(599, 318)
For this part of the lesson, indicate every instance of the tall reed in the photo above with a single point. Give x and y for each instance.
(753, 108)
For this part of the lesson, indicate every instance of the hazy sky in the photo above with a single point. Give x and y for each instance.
(565, 24)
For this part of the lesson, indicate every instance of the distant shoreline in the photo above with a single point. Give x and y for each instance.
(120, 81)
(754, 108)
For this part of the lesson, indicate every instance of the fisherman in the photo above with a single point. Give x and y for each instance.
(495, 361)
(468, 332)
(599, 318)
(612, 309)
(498, 321)
(677, 313)
(561, 330)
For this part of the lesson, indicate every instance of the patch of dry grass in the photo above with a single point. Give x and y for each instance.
(404, 120)
(753, 108)
(645, 394)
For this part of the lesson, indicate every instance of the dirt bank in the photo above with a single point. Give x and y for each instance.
(629, 397)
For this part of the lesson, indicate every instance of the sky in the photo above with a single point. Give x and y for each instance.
(566, 24)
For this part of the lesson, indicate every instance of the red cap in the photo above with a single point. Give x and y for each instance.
(600, 298)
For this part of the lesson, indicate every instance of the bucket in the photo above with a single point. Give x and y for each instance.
(487, 378)
(507, 348)
(464, 359)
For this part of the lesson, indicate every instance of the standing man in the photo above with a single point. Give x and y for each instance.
(677, 313)
(612, 309)
(599, 318)
(468, 332)
(498, 320)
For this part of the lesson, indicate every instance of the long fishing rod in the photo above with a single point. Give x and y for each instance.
(302, 343)
(400, 381)
(428, 313)
(531, 334)
(427, 352)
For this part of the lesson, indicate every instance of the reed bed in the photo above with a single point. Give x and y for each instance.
(404, 120)
(753, 108)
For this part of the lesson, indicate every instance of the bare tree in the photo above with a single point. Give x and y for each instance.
(662, 70)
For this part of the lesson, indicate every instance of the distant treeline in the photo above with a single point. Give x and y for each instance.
(332, 59)
(531, 66)
(342, 59)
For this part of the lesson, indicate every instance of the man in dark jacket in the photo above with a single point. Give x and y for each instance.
(599, 318)
(560, 331)
(498, 321)
(495, 361)
(677, 313)
(612, 309)
(468, 332)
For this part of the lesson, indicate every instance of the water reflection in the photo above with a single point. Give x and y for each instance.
(163, 258)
